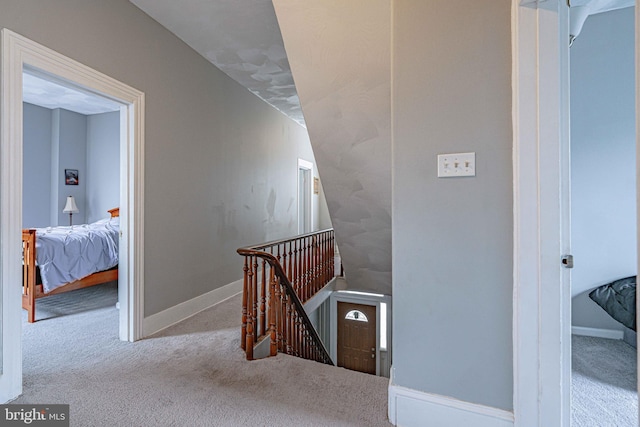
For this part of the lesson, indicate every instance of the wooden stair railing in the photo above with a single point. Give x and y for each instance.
(279, 277)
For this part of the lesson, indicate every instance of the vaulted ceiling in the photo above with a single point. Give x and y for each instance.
(241, 37)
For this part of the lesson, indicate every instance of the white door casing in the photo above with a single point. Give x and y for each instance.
(305, 211)
(19, 52)
(541, 162)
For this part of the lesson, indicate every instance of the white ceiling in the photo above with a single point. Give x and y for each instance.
(599, 6)
(45, 93)
(241, 37)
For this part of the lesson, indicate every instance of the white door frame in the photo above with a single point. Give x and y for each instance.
(541, 162)
(308, 203)
(363, 298)
(19, 52)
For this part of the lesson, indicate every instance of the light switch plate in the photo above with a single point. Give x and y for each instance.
(456, 164)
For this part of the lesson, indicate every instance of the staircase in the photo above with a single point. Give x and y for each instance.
(279, 277)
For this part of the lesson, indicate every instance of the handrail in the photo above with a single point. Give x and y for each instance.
(280, 241)
(294, 270)
(275, 264)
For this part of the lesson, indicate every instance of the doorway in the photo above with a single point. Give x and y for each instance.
(63, 128)
(542, 295)
(357, 337)
(363, 313)
(305, 172)
(18, 54)
(603, 215)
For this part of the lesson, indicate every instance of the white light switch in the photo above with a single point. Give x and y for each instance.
(457, 164)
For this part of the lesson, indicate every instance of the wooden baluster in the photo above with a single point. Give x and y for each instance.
(290, 327)
(291, 275)
(278, 310)
(284, 260)
(272, 314)
(316, 264)
(255, 299)
(245, 291)
(303, 290)
(250, 324)
(300, 337)
(263, 299)
(301, 269)
(310, 268)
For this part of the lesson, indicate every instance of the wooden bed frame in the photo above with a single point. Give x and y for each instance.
(32, 290)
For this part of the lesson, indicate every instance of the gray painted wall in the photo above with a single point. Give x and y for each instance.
(603, 166)
(71, 142)
(339, 53)
(452, 238)
(220, 163)
(44, 165)
(103, 165)
(37, 166)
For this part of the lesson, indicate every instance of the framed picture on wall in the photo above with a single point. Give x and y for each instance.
(71, 176)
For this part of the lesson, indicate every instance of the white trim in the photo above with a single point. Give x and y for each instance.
(307, 166)
(10, 221)
(364, 299)
(19, 52)
(409, 407)
(611, 334)
(30, 54)
(541, 300)
(184, 310)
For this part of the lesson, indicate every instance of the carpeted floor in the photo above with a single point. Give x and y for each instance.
(604, 387)
(192, 374)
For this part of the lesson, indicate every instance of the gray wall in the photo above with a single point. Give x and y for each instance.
(220, 164)
(339, 53)
(103, 165)
(603, 166)
(44, 191)
(452, 238)
(70, 141)
(37, 166)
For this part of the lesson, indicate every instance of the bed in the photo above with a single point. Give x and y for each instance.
(42, 274)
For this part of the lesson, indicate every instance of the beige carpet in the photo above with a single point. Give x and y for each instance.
(604, 383)
(192, 374)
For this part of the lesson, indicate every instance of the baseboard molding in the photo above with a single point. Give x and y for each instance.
(596, 332)
(409, 408)
(177, 313)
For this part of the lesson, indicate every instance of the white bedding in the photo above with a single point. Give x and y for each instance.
(65, 254)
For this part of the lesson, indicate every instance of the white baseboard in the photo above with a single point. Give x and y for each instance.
(409, 408)
(596, 332)
(177, 313)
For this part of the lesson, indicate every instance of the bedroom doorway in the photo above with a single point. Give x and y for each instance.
(18, 54)
(62, 128)
(542, 295)
(603, 215)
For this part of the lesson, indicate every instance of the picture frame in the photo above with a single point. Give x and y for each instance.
(71, 177)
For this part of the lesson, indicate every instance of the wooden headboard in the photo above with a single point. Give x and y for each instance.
(115, 212)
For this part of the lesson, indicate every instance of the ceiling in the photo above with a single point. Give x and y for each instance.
(45, 93)
(240, 37)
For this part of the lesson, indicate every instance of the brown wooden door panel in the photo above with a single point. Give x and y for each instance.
(357, 337)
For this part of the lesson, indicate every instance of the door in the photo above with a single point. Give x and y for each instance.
(357, 337)
(304, 196)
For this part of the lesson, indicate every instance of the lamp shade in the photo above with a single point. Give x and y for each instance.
(70, 207)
